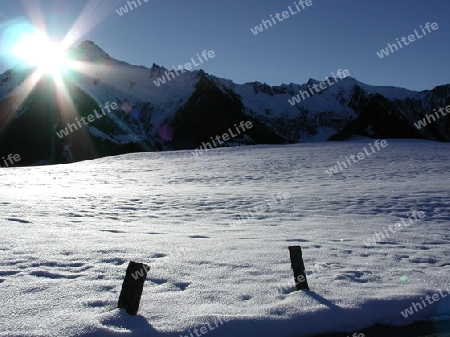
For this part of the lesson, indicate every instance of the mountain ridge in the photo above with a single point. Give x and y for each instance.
(194, 106)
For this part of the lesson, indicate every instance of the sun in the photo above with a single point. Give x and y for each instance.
(39, 51)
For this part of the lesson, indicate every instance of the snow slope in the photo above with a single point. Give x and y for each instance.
(68, 232)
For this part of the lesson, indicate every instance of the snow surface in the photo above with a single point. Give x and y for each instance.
(68, 232)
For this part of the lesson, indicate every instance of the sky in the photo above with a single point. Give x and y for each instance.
(320, 39)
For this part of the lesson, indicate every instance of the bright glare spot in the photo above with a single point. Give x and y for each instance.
(37, 50)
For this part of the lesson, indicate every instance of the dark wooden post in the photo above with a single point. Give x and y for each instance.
(298, 267)
(132, 287)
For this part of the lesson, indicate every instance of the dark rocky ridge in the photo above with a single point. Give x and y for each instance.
(29, 129)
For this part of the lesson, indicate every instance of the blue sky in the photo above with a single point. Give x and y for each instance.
(322, 38)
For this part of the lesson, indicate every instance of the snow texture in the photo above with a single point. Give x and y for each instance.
(68, 232)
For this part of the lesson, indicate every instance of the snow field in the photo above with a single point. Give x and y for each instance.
(70, 230)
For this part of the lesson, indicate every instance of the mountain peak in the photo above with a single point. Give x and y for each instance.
(89, 51)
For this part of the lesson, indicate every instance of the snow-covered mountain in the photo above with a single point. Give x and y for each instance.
(192, 107)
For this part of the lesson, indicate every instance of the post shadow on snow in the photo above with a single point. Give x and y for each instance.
(349, 321)
(416, 329)
(121, 319)
(369, 311)
(117, 321)
(310, 323)
(322, 300)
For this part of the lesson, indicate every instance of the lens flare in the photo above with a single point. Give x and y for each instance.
(39, 51)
